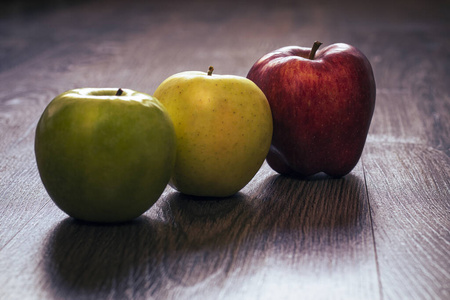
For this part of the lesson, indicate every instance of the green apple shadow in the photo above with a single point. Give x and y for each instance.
(82, 259)
(186, 240)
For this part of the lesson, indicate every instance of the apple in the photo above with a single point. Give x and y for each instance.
(223, 125)
(105, 155)
(322, 104)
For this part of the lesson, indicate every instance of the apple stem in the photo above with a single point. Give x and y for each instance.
(119, 92)
(210, 70)
(314, 49)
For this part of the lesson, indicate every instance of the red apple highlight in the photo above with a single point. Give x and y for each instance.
(322, 103)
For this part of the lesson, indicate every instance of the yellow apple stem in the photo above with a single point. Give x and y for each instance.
(119, 92)
(314, 49)
(210, 70)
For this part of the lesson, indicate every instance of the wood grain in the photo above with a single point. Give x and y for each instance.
(188, 248)
(382, 232)
(408, 189)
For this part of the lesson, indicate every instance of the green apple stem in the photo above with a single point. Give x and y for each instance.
(210, 70)
(119, 92)
(314, 49)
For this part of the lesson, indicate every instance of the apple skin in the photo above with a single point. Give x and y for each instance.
(321, 107)
(105, 158)
(224, 128)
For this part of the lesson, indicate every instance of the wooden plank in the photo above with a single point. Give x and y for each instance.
(406, 161)
(418, 113)
(279, 237)
(19, 181)
(409, 192)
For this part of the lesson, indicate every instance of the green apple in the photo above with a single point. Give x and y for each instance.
(223, 125)
(105, 155)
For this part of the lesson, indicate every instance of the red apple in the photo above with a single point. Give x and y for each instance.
(322, 104)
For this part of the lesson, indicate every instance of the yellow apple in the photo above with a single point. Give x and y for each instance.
(223, 125)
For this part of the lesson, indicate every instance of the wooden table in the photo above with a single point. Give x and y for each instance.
(381, 232)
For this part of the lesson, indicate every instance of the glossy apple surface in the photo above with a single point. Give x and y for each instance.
(322, 105)
(104, 157)
(224, 128)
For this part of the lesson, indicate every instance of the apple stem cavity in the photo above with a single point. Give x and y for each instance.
(314, 49)
(210, 70)
(119, 92)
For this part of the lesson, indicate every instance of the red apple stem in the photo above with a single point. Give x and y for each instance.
(314, 49)
(210, 70)
(119, 92)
